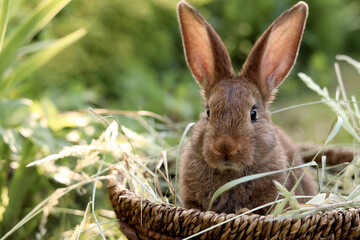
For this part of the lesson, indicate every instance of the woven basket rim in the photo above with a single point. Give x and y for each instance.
(145, 219)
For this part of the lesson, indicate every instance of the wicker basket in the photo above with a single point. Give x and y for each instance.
(162, 221)
(144, 219)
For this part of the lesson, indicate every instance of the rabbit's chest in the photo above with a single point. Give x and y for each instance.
(250, 194)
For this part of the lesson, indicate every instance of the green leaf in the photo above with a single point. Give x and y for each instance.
(14, 113)
(335, 127)
(33, 63)
(35, 47)
(285, 193)
(112, 132)
(55, 120)
(19, 186)
(4, 17)
(27, 30)
(12, 138)
(43, 138)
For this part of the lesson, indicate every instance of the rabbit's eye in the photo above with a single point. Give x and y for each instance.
(253, 114)
(208, 114)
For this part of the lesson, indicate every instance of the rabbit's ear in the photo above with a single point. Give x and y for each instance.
(205, 53)
(275, 52)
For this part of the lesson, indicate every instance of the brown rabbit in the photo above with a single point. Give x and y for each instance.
(236, 136)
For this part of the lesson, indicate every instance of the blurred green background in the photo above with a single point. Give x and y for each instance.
(132, 59)
(132, 56)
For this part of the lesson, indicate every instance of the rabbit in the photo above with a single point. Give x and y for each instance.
(235, 136)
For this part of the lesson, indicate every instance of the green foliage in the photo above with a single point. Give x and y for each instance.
(22, 34)
(4, 16)
(132, 57)
(24, 132)
(39, 59)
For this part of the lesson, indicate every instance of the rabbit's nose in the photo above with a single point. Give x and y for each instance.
(226, 145)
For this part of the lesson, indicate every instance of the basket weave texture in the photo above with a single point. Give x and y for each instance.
(144, 219)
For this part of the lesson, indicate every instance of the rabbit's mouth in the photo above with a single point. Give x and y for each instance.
(223, 162)
(225, 165)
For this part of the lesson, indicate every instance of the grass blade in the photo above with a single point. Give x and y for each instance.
(335, 127)
(323, 172)
(178, 153)
(35, 47)
(60, 192)
(32, 25)
(354, 194)
(4, 17)
(33, 63)
(333, 131)
(84, 222)
(93, 198)
(349, 60)
(332, 104)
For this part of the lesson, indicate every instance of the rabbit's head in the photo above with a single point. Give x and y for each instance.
(236, 129)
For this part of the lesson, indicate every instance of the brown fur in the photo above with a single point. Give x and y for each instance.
(227, 144)
(334, 154)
